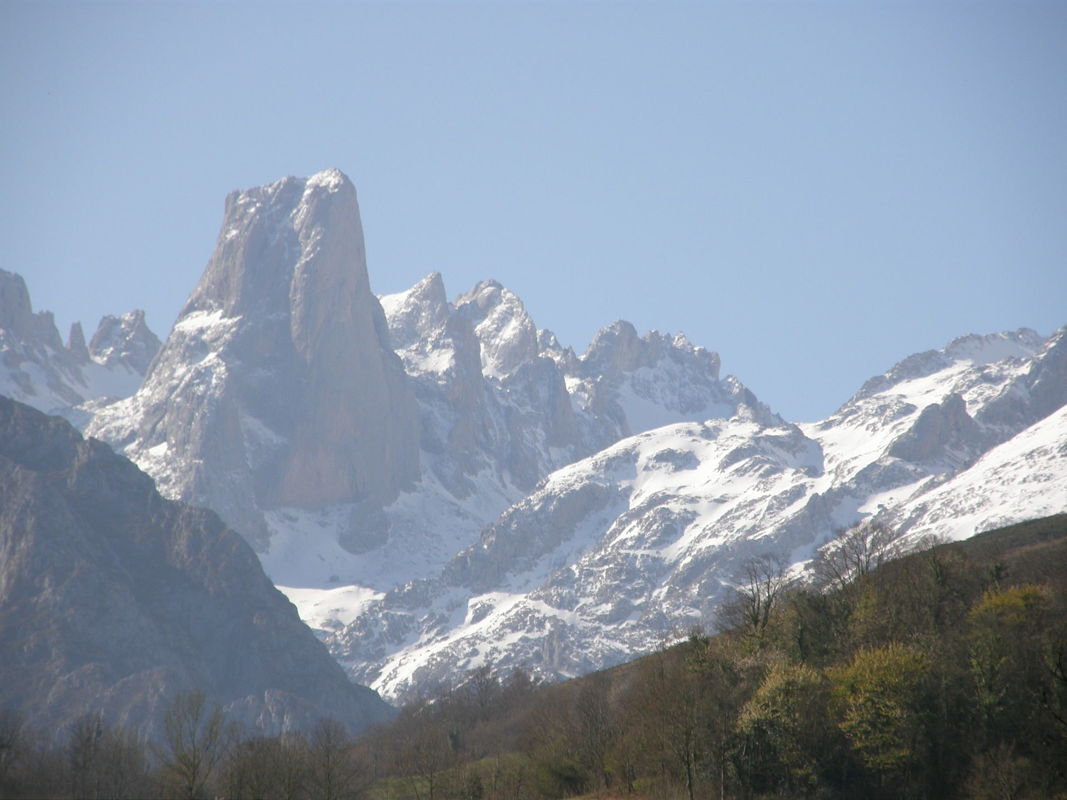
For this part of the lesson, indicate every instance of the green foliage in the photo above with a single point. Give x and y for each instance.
(1006, 631)
(878, 700)
(785, 728)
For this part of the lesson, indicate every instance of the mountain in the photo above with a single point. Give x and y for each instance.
(439, 484)
(113, 598)
(359, 442)
(38, 369)
(277, 385)
(616, 552)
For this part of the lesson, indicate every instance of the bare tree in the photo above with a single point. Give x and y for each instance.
(666, 719)
(106, 760)
(761, 583)
(856, 553)
(334, 769)
(83, 752)
(195, 740)
(266, 768)
(595, 727)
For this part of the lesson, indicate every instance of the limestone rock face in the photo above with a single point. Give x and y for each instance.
(277, 385)
(507, 333)
(16, 313)
(490, 403)
(115, 599)
(942, 430)
(76, 342)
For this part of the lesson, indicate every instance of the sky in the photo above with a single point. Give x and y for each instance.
(814, 190)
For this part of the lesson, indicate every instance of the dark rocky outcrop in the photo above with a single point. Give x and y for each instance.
(941, 431)
(114, 598)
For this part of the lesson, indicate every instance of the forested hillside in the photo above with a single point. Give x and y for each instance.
(938, 674)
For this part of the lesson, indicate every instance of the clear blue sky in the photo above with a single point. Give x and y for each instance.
(814, 190)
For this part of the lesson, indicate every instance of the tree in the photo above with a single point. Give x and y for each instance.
(334, 772)
(666, 716)
(761, 584)
(879, 699)
(83, 750)
(195, 740)
(1007, 661)
(421, 747)
(856, 553)
(266, 768)
(786, 729)
(595, 729)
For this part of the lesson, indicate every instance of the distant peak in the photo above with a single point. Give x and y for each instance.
(76, 342)
(983, 349)
(619, 348)
(126, 339)
(331, 179)
(976, 349)
(432, 285)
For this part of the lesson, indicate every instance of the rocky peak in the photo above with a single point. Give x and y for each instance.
(76, 343)
(618, 349)
(122, 340)
(506, 331)
(16, 313)
(416, 313)
(40, 370)
(985, 349)
(1047, 378)
(1036, 393)
(279, 244)
(278, 384)
(972, 349)
(18, 318)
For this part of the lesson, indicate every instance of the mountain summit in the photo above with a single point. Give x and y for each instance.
(277, 385)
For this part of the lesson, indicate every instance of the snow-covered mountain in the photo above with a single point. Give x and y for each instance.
(280, 402)
(618, 551)
(38, 369)
(439, 484)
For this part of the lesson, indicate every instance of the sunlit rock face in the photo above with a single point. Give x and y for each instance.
(277, 385)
